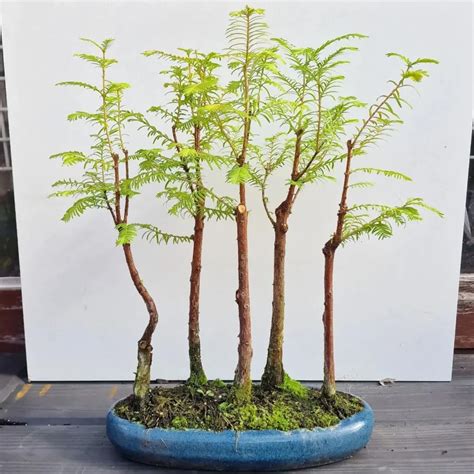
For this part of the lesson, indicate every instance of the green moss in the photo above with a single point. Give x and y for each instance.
(197, 375)
(241, 394)
(197, 378)
(213, 407)
(294, 387)
(179, 423)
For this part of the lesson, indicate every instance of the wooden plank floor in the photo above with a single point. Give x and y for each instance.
(420, 427)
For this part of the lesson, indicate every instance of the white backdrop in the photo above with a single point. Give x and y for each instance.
(395, 300)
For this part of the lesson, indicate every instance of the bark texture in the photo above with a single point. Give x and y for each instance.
(274, 373)
(145, 349)
(329, 251)
(242, 380)
(329, 384)
(197, 374)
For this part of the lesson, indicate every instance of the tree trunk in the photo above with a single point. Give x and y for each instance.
(197, 374)
(145, 349)
(329, 384)
(242, 380)
(274, 373)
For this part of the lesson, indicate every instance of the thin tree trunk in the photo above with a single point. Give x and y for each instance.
(242, 380)
(329, 251)
(329, 384)
(274, 373)
(197, 374)
(145, 349)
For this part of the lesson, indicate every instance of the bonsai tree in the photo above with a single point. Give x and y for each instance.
(107, 183)
(242, 106)
(188, 151)
(209, 126)
(356, 221)
(313, 119)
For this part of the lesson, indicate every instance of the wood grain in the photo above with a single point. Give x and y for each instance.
(465, 317)
(420, 428)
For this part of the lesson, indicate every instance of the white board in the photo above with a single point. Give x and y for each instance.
(395, 300)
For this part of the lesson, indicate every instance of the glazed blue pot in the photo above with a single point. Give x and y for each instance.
(265, 450)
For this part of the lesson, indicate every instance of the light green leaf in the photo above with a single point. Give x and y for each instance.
(382, 172)
(70, 158)
(239, 174)
(84, 85)
(126, 233)
(416, 75)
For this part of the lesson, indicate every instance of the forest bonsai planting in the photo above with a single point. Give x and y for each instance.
(211, 125)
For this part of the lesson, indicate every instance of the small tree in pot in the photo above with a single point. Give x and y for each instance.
(188, 153)
(316, 119)
(354, 222)
(209, 125)
(107, 183)
(244, 105)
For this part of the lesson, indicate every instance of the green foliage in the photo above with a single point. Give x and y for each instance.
(375, 219)
(239, 174)
(378, 220)
(381, 172)
(306, 105)
(81, 205)
(191, 140)
(242, 103)
(382, 115)
(127, 232)
(70, 158)
(106, 181)
(154, 234)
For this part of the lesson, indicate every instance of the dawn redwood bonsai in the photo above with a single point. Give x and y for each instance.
(279, 109)
(188, 151)
(107, 183)
(356, 221)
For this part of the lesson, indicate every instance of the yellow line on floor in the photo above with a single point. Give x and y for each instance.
(113, 391)
(25, 389)
(44, 390)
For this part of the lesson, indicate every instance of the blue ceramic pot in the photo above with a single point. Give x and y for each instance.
(266, 450)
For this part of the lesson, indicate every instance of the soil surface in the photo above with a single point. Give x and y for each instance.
(211, 407)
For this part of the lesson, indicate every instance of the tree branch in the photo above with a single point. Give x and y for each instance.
(127, 176)
(109, 207)
(377, 108)
(337, 238)
(115, 159)
(183, 163)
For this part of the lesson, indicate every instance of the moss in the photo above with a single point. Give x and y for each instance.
(241, 394)
(197, 378)
(197, 375)
(294, 387)
(142, 375)
(213, 407)
(179, 423)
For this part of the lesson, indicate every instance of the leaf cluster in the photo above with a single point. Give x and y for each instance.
(215, 126)
(107, 181)
(366, 220)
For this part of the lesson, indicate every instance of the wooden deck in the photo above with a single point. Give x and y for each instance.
(420, 427)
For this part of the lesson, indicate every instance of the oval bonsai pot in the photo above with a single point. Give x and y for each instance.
(265, 450)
